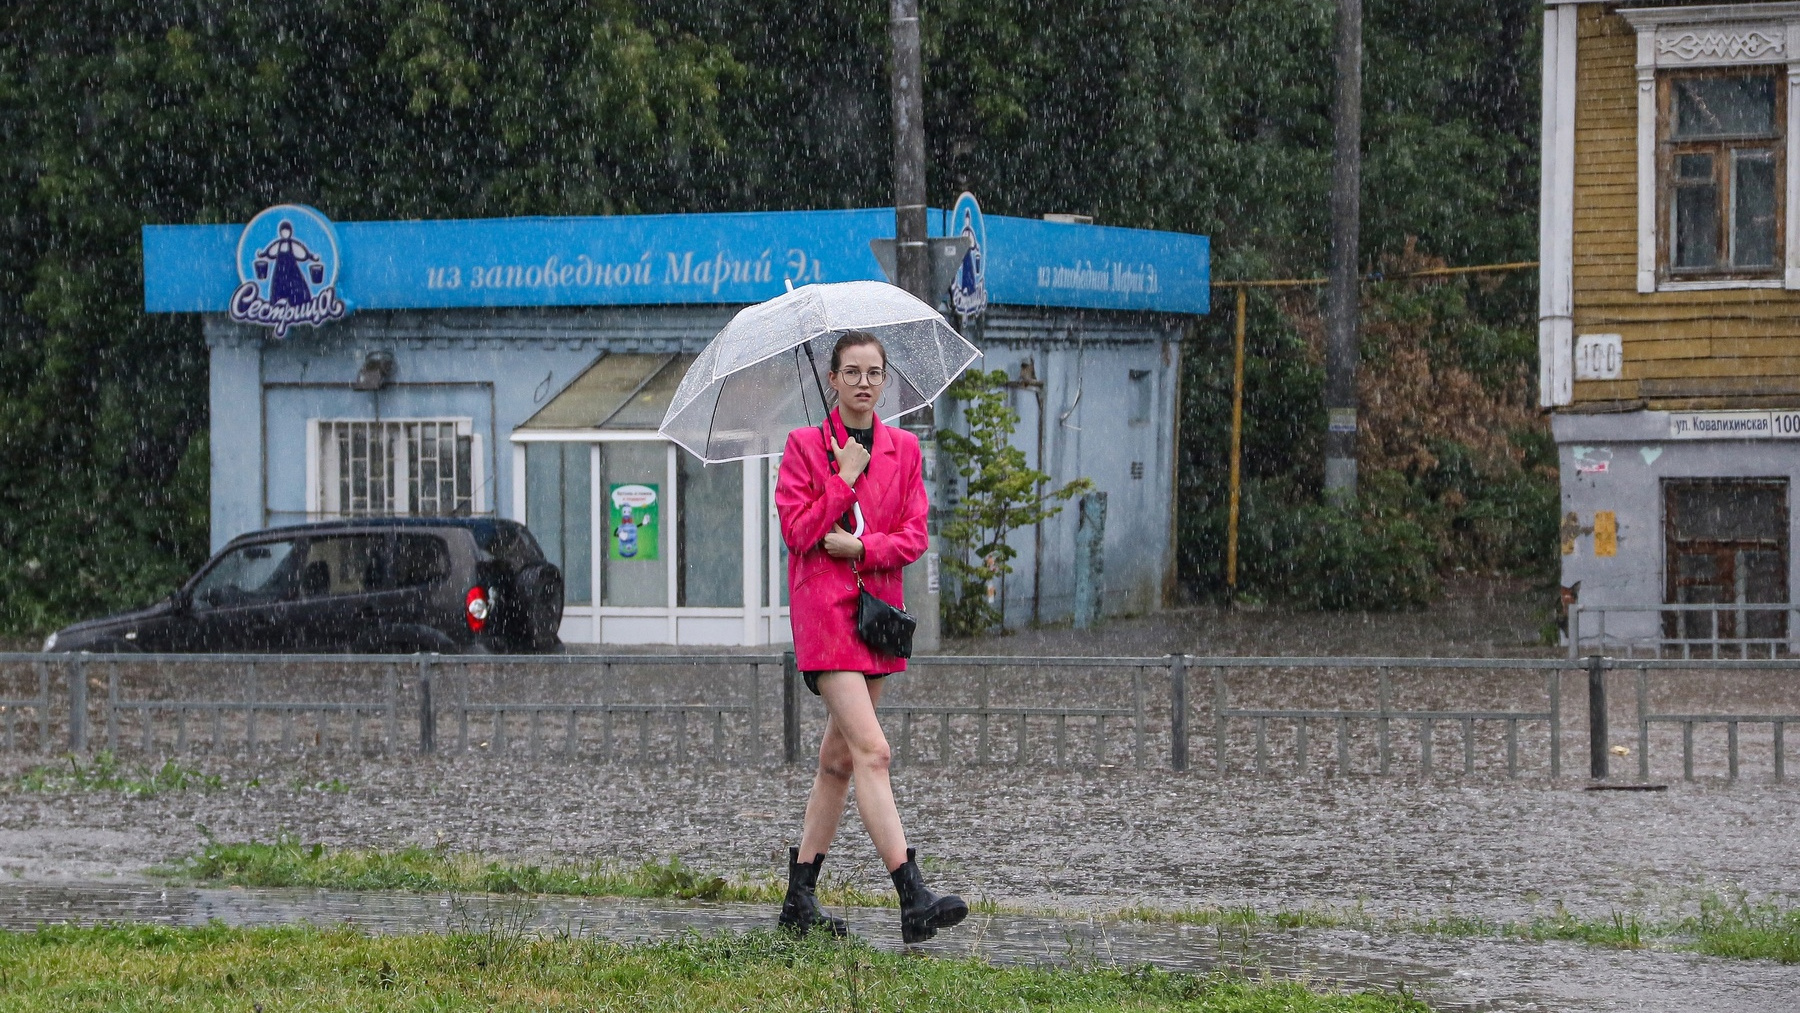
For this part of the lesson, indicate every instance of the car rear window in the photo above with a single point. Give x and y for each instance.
(420, 560)
(511, 544)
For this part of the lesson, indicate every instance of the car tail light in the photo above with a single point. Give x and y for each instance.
(477, 604)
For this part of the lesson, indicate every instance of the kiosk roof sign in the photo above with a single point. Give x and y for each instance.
(730, 258)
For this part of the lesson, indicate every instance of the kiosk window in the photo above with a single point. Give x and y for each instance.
(558, 495)
(633, 487)
(711, 539)
(420, 467)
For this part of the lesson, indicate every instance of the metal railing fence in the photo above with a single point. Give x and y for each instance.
(1262, 716)
(1692, 719)
(1718, 631)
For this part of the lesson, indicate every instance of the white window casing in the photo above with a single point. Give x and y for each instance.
(1737, 35)
(314, 505)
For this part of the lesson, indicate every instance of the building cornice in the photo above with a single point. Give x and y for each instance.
(1652, 17)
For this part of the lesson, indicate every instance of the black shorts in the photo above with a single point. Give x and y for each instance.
(812, 679)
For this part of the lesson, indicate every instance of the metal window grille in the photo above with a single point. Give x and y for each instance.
(396, 468)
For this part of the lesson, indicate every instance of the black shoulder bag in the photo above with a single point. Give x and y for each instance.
(886, 629)
(882, 626)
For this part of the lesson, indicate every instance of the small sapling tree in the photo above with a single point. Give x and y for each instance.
(1000, 496)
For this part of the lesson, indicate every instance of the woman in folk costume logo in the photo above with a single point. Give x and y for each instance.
(287, 269)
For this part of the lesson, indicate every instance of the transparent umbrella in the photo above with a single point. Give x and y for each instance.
(763, 375)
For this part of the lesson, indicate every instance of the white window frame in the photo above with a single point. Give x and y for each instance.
(1680, 38)
(315, 463)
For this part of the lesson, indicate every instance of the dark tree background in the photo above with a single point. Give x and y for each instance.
(1200, 116)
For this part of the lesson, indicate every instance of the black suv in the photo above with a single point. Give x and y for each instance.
(370, 586)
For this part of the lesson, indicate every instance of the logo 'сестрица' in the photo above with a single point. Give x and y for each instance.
(287, 261)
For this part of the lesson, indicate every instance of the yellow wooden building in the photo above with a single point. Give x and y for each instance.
(1669, 317)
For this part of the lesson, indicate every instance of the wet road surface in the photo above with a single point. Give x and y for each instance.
(1092, 841)
(1451, 974)
(1086, 843)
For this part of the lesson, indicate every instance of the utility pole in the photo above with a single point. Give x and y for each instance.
(1341, 298)
(912, 267)
(912, 271)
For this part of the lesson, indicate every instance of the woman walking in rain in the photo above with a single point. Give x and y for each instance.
(851, 506)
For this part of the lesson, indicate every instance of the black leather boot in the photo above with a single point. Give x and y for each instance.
(800, 912)
(922, 912)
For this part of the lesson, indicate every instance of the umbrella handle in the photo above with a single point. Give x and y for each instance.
(856, 508)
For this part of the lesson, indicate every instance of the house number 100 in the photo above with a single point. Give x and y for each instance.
(1598, 357)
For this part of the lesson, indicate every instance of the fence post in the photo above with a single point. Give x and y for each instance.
(112, 709)
(1178, 712)
(43, 705)
(790, 709)
(1219, 726)
(1090, 559)
(390, 720)
(250, 695)
(78, 706)
(427, 714)
(1643, 709)
(1597, 738)
(1553, 685)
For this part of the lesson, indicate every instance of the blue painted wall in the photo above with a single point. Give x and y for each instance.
(495, 367)
(498, 367)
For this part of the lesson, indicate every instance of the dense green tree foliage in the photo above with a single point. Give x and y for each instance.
(1207, 115)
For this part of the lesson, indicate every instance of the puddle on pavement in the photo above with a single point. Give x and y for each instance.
(1451, 974)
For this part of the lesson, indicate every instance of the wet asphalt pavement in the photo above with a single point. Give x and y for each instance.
(1082, 842)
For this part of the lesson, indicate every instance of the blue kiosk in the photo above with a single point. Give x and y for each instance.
(520, 367)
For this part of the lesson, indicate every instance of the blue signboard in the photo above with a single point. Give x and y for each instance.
(650, 259)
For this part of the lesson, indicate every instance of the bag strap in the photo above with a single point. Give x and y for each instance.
(858, 576)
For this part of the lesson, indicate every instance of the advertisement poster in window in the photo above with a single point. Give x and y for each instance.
(635, 529)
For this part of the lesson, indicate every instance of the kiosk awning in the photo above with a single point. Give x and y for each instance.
(619, 391)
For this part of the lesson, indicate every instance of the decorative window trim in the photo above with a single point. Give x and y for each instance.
(1679, 38)
(1720, 284)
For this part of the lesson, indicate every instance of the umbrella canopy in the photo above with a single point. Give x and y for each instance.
(763, 375)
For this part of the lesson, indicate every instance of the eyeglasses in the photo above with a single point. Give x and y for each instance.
(855, 377)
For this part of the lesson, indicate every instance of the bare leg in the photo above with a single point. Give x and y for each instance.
(854, 747)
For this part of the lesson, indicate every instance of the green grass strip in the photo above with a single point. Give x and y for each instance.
(288, 862)
(1723, 928)
(144, 967)
(106, 773)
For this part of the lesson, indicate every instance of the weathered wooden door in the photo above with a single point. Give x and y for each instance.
(1726, 544)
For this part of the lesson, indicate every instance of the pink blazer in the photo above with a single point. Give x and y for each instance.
(821, 589)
